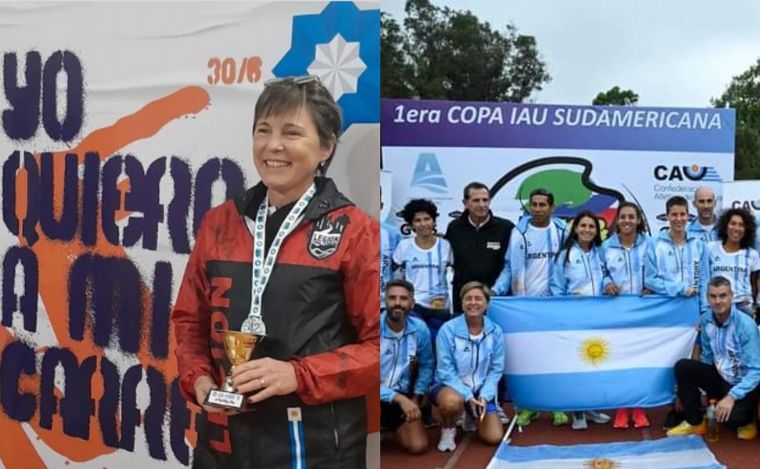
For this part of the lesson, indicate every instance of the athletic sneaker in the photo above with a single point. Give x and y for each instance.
(672, 419)
(598, 417)
(559, 419)
(448, 439)
(579, 421)
(502, 416)
(685, 428)
(469, 425)
(640, 419)
(525, 416)
(621, 419)
(747, 432)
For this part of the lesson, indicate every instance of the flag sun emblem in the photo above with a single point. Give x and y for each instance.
(601, 463)
(594, 350)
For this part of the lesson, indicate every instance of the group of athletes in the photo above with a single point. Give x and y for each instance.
(446, 352)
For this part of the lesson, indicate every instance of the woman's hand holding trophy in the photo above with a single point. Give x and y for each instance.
(239, 347)
(265, 377)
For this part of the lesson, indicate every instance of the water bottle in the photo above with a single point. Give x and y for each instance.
(712, 423)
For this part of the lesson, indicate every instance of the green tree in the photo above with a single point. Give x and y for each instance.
(394, 70)
(616, 96)
(743, 94)
(450, 54)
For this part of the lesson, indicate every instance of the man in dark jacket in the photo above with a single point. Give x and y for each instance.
(479, 241)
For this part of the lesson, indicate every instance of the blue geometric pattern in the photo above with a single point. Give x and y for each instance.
(362, 26)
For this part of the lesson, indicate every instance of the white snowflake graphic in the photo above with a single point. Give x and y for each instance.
(338, 65)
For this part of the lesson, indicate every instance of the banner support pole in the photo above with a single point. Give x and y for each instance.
(505, 440)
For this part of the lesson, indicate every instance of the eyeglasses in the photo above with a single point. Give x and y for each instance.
(298, 81)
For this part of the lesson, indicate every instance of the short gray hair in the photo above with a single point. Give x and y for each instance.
(292, 93)
(473, 285)
(719, 281)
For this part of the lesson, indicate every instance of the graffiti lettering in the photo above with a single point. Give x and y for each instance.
(27, 304)
(39, 96)
(77, 403)
(99, 289)
(142, 202)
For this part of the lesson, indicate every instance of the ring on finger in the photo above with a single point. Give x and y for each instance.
(262, 384)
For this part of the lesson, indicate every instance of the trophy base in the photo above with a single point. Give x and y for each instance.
(225, 400)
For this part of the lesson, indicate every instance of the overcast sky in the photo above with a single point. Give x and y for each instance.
(670, 52)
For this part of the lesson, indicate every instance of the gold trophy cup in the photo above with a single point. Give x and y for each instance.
(238, 346)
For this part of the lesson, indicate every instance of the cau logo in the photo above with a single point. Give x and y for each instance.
(686, 173)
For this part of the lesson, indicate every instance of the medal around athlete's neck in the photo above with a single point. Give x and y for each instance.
(263, 262)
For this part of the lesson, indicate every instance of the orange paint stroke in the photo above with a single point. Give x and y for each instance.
(15, 448)
(56, 258)
(144, 123)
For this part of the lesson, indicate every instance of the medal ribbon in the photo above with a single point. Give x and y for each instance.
(262, 264)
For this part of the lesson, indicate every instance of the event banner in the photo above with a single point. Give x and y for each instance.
(590, 157)
(122, 124)
(587, 353)
(746, 195)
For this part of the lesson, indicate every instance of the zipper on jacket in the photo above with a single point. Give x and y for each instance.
(587, 268)
(396, 347)
(335, 427)
(477, 359)
(476, 346)
(676, 251)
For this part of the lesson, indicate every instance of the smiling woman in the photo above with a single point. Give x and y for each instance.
(470, 362)
(734, 257)
(295, 263)
(293, 140)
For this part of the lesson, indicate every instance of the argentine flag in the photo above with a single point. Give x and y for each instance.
(585, 353)
(686, 452)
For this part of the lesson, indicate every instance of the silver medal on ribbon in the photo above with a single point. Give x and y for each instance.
(254, 325)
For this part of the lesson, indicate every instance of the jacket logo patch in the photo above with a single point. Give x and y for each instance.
(495, 245)
(326, 235)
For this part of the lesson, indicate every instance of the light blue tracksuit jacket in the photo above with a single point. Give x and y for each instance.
(629, 269)
(389, 239)
(734, 348)
(515, 257)
(472, 368)
(581, 275)
(697, 230)
(397, 355)
(678, 269)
